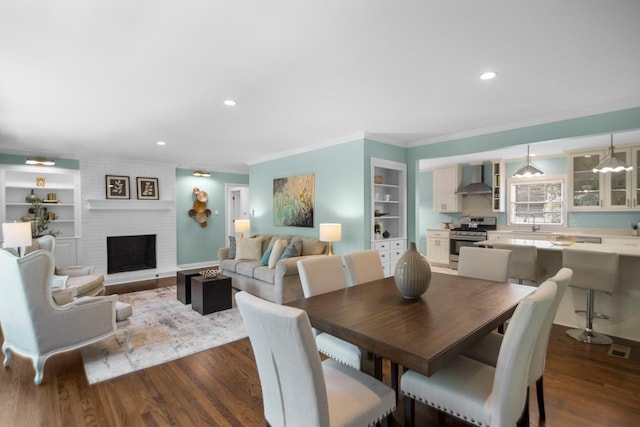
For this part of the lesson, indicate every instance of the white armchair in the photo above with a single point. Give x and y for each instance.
(36, 327)
(81, 280)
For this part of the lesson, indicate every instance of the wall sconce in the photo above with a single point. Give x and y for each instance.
(201, 173)
(241, 226)
(40, 161)
(17, 235)
(330, 233)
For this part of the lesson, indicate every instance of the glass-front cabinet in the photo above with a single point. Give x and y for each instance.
(591, 191)
(635, 178)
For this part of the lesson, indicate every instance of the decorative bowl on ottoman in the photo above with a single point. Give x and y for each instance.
(210, 273)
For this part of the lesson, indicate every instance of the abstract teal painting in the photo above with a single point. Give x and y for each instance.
(293, 200)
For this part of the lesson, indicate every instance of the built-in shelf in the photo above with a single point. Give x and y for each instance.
(149, 205)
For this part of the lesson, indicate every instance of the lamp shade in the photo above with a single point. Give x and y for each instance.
(241, 225)
(611, 163)
(528, 170)
(330, 232)
(16, 234)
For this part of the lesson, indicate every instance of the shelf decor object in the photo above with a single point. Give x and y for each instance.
(413, 273)
(528, 170)
(611, 163)
(32, 197)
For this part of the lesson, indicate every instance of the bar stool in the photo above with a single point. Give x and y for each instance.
(593, 271)
(523, 264)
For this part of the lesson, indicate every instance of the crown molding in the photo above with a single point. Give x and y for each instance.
(573, 114)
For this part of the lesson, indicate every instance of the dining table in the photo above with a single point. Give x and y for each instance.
(423, 334)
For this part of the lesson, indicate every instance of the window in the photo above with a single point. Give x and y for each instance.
(542, 198)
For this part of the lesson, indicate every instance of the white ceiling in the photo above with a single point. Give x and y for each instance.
(112, 77)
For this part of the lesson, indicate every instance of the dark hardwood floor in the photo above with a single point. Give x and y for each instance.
(584, 386)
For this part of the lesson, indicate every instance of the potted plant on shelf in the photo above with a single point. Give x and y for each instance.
(634, 228)
(39, 221)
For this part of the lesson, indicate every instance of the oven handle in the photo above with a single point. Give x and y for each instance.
(468, 239)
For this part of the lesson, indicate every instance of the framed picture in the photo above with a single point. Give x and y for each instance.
(117, 187)
(293, 200)
(40, 182)
(147, 188)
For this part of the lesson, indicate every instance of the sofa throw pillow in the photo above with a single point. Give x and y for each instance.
(232, 247)
(293, 250)
(312, 246)
(249, 249)
(278, 248)
(265, 257)
(59, 282)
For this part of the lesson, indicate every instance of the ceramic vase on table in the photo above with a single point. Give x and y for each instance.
(413, 273)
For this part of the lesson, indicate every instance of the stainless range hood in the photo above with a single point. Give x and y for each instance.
(477, 185)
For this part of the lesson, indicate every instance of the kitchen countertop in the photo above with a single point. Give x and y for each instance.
(624, 250)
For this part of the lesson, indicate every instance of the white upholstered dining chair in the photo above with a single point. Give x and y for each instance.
(479, 393)
(523, 264)
(484, 263)
(319, 275)
(363, 266)
(487, 349)
(36, 327)
(297, 388)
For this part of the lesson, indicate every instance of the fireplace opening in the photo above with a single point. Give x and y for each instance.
(131, 253)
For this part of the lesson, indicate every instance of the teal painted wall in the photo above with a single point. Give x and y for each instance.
(419, 194)
(197, 244)
(13, 159)
(339, 196)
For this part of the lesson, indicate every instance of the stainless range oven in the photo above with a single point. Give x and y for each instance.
(471, 230)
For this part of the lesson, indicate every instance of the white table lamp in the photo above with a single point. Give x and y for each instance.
(330, 233)
(17, 235)
(241, 226)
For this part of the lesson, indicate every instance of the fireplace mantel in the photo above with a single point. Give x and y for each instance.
(104, 204)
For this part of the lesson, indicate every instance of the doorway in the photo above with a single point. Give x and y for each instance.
(237, 206)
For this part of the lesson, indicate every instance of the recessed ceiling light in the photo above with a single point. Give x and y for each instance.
(230, 102)
(488, 75)
(161, 143)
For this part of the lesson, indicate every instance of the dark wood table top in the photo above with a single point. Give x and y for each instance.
(422, 334)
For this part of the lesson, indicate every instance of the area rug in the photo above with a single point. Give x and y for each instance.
(162, 329)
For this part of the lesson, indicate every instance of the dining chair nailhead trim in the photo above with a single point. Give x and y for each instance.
(440, 408)
(334, 357)
(375, 422)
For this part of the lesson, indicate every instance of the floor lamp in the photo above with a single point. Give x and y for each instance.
(17, 235)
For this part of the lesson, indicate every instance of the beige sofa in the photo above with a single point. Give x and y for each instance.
(280, 284)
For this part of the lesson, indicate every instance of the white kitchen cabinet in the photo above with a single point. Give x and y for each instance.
(438, 247)
(591, 191)
(388, 209)
(446, 181)
(498, 186)
(635, 178)
(390, 251)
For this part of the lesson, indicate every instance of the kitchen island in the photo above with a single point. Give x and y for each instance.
(621, 306)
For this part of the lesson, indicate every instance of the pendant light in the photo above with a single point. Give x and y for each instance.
(611, 163)
(528, 170)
